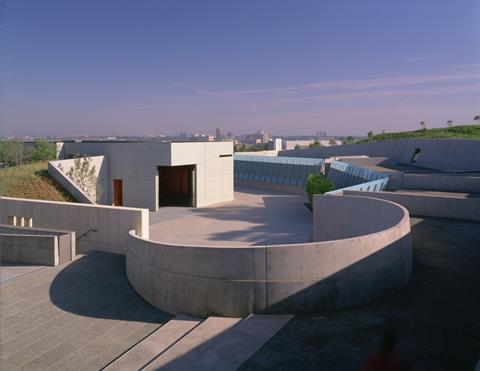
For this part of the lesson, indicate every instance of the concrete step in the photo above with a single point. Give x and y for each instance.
(155, 344)
(182, 355)
(220, 343)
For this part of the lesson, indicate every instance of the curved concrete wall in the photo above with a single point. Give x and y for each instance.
(368, 255)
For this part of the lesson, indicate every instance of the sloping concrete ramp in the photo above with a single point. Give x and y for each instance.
(218, 343)
(155, 344)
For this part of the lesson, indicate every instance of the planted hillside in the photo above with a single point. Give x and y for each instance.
(31, 181)
(453, 132)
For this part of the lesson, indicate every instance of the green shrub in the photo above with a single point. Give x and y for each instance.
(44, 151)
(317, 184)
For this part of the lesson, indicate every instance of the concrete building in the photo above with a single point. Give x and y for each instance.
(154, 174)
(291, 144)
(275, 144)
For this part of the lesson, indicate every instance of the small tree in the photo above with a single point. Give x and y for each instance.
(449, 123)
(350, 139)
(317, 184)
(370, 134)
(332, 142)
(82, 173)
(43, 151)
(477, 118)
(13, 153)
(423, 125)
(297, 146)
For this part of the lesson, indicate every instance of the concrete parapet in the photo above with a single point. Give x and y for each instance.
(97, 227)
(353, 265)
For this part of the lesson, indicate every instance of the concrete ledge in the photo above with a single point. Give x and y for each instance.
(467, 208)
(375, 257)
(437, 182)
(36, 245)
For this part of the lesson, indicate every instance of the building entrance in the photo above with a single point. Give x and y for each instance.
(176, 185)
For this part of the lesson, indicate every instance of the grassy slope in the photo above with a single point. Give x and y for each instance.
(31, 181)
(455, 132)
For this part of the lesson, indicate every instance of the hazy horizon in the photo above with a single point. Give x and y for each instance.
(290, 67)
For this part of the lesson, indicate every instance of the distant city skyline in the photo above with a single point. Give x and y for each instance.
(290, 67)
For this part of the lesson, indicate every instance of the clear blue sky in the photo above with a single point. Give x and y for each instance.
(290, 67)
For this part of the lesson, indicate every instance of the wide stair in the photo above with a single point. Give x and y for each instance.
(187, 343)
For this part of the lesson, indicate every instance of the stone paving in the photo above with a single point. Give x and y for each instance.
(77, 316)
(437, 314)
(255, 217)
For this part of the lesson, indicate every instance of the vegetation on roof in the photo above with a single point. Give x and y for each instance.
(451, 132)
(31, 181)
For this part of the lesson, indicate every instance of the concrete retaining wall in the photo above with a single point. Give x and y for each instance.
(21, 245)
(439, 206)
(442, 154)
(309, 277)
(271, 187)
(97, 227)
(438, 182)
(29, 249)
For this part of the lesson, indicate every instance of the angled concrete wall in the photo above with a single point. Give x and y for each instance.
(349, 264)
(68, 185)
(97, 227)
(58, 170)
(441, 154)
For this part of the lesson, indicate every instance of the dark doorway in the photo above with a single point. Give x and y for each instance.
(415, 155)
(117, 192)
(176, 185)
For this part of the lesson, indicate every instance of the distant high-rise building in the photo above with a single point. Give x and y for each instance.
(321, 134)
(219, 133)
(275, 144)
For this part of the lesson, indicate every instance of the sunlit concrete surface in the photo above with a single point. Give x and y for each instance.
(10, 271)
(73, 316)
(255, 217)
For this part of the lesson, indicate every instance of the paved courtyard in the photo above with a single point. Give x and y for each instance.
(83, 315)
(78, 316)
(255, 217)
